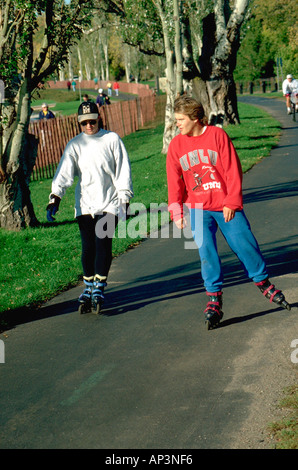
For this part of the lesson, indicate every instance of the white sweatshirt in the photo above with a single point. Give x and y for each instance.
(289, 87)
(102, 165)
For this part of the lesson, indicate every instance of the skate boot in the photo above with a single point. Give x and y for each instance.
(99, 284)
(275, 295)
(85, 298)
(213, 312)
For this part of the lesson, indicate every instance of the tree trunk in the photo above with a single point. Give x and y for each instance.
(219, 100)
(178, 49)
(127, 65)
(20, 151)
(211, 81)
(16, 209)
(217, 62)
(170, 125)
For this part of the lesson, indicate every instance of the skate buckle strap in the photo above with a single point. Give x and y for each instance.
(272, 294)
(98, 293)
(98, 287)
(88, 284)
(215, 306)
(88, 281)
(97, 284)
(269, 290)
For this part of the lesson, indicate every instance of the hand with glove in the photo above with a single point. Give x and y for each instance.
(53, 207)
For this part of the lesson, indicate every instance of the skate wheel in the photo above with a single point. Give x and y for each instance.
(213, 323)
(210, 325)
(82, 309)
(286, 305)
(98, 308)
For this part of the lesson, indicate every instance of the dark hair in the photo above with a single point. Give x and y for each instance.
(191, 107)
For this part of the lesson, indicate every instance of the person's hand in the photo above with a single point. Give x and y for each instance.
(180, 223)
(228, 214)
(53, 207)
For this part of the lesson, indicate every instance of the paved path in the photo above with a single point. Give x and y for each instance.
(147, 374)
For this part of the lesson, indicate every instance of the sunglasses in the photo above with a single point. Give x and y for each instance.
(92, 122)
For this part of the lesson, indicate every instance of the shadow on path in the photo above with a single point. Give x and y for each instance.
(182, 281)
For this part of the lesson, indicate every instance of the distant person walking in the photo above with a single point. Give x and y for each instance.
(290, 86)
(109, 87)
(116, 87)
(45, 112)
(102, 99)
(86, 98)
(73, 83)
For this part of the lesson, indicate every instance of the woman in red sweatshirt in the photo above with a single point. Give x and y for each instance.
(204, 173)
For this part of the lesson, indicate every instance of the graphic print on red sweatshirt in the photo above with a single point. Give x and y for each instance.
(204, 169)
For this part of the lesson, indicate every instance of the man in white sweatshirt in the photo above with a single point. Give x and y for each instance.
(290, 87)
(100, 161)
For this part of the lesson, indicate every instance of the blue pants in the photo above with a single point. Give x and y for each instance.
(240, 239)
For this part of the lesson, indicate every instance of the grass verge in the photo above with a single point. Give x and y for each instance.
(285, 432)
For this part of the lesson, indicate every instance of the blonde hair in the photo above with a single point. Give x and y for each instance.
(191, 108)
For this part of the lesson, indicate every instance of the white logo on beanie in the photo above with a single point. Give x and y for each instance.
(86, 108)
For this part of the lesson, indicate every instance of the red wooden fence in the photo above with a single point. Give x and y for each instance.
(124, 118)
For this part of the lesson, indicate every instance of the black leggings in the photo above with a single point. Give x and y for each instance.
(97, 237)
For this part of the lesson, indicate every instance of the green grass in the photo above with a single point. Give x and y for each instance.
(285, 432)
(38, 263)
(58, 95)
(63, 102)
(255, 137)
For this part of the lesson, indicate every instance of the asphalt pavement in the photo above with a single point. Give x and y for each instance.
(146, 374)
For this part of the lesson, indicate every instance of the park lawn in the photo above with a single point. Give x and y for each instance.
(38, 263)
(255, 137)
(63, 102)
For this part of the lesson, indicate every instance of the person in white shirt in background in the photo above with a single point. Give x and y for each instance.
(289, 86)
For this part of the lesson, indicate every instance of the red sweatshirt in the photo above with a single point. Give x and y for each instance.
(204, 169)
